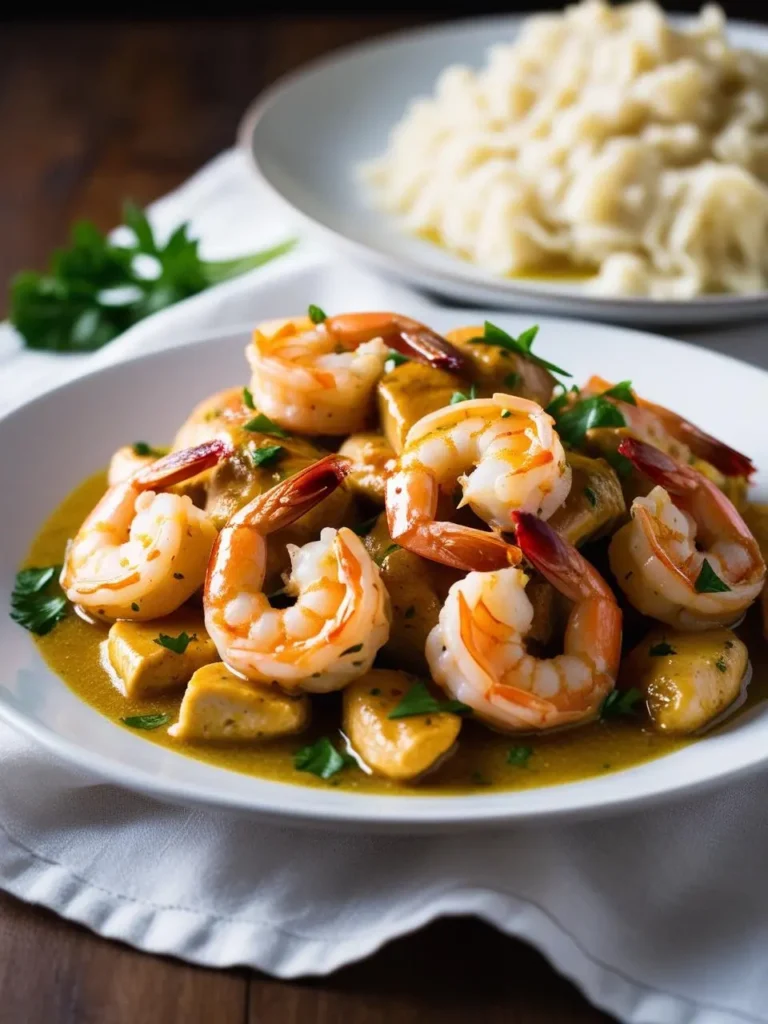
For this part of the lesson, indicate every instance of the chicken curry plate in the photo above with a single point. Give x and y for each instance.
(394, 561)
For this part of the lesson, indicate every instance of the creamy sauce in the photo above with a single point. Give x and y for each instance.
(72, 651)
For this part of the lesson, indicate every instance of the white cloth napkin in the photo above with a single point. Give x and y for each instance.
(660, 917)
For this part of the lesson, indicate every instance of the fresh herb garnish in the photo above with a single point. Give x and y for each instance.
(177, 644)
(459, 396)
(619, 463)
(620, 702)
(381, 559)
(721, 665)
(410, 611)
(363, 529)
(506, 413)
(144, 448)
(375, 692)
(419, 701)
(560, 401)
(519, 756)
(394, 359)
(96, 288)
(478, 779)
(134, 607)
(587, 414)
(262, 424)
(248, 398)
(511, 380)
(146, 722)
(267, 455)
(708, 582)
(316, 315)
(352, 650)
(33, 606)
(590, 495)
(661, 650)
(321, 758)
(622, 391)
(493, 335)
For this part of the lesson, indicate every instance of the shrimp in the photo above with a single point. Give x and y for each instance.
(515, 462)
(330, 636)
(142, 553)
(477, 651)
(674, 435)
(687, 558)
(320, 378)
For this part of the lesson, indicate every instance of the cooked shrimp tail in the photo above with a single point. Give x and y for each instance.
(687, 557)
(178, 466)
(330, 636)
(653, 421)
(407, 336)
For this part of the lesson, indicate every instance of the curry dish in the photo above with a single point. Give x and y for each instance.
(404, 563)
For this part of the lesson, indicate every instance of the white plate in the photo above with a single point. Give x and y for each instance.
(309, 133)
(50, 444)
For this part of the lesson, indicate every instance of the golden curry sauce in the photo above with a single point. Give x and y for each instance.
(72, 650)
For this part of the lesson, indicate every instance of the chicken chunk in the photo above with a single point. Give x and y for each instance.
(145, 666)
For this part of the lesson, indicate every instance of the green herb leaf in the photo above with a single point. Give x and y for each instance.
(394, 359)
(419, 701)
(721, 665)
(33, 605)
(267, 455)
(511, 380)
(375, 692)
(620, 702)
(587, 414)
(519, 756)
(316, 315)
(352, 650)
(321, 758)
(493, 335)
(144, 448)
(363, 529)
(248, 398)
(381, 559)
(177, 644)
(708, 582)
(459, 396)
(620, 464)
(661, 650)
(410, 611)
(622, 391)
(590, 495)
(262, 424)
(146, 722)
(97, 289)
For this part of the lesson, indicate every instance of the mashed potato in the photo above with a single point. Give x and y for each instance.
(603, 139)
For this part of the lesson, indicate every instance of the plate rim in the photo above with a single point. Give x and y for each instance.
(578, 799)
(702, 308)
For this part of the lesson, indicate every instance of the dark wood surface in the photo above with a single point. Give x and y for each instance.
(90, 115)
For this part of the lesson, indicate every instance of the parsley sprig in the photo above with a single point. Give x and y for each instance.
(321, 758)
(419, 701)
(574, 421)
(521, 345)
(98, 288)
(177, 644)
(37, 603)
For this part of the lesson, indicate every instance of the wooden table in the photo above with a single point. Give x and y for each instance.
(91, 115)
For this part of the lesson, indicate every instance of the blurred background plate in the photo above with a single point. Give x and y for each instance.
(308, 135)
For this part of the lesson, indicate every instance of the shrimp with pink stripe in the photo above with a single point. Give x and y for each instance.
(504, 455)
(142, 551)
(687, 557)
(477, 652)
(340, 617)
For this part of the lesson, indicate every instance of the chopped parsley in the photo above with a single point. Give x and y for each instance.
(410, 611)
(459, 396)
(146, 722)
(620, 702)
(519, 756)
(134, 607)
(34, 605)
(623, 391)
(708, 582)
(590, 495)
(143, 448)
(721, 665)
(262, 424)
(521, 346)
(381, 559)
(661, 650)
(511, 380)
(267, 455)
(419, 701)
(248, 399)
(587, 414)
(363, 529)
(506, 413)
(316, 315)
(394, 359)
(321, 758)
(620, 464)
(177, 644)
(352, 650)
